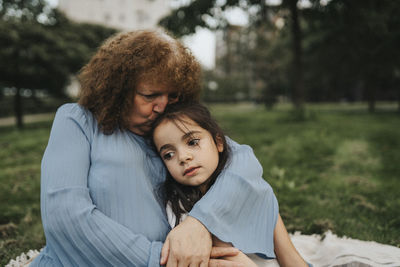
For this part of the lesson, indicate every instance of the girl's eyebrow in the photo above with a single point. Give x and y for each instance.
(184, 137)
(164, 147)
(189, 134)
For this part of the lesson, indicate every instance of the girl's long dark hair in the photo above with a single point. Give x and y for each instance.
(183, 197)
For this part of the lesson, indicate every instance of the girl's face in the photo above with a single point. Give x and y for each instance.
(188, 151)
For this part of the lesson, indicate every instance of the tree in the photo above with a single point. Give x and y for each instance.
(339, 49)
(40, 48)
(185, 19)
(355, 46)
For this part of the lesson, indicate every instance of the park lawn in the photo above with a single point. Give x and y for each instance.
(20, 223)
(337, 169)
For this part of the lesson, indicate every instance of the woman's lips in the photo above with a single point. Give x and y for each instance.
(190, 171)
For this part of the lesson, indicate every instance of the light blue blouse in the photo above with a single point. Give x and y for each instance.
(100, 203)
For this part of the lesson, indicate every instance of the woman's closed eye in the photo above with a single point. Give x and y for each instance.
(150, 97)
(173, 97)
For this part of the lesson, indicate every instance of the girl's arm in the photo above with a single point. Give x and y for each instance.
(286, 253)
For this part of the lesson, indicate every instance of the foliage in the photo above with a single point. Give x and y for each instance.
(349, 48)
(219, 89)
(338, 170)
(210, 13)
(40, 56)
(354, 44)
(27, 10)
(40, 48)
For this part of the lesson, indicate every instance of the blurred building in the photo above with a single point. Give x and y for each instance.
(119, 14)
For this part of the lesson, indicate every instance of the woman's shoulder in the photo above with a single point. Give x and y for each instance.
(75, 112)
(72, 109)
(78, 115)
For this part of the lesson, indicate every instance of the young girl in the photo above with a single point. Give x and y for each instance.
(195, 151)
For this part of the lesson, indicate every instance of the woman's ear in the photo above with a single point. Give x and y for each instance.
(219, 143)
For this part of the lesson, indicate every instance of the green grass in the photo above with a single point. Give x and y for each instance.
(20, 224)
(336, 169)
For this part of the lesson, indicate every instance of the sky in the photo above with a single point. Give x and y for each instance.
(202, 45)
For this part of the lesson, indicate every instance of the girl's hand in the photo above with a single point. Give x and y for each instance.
(219, 254)
(239, 258)
(190, 244)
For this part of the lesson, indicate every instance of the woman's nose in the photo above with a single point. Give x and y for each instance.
(160, 103)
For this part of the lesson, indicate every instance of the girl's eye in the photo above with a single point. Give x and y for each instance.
(168, 156)
(193, 142)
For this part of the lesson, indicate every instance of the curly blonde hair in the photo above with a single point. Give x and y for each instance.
(109, 80)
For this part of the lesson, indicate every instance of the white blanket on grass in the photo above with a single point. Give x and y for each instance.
(335, 251)
(330, 251)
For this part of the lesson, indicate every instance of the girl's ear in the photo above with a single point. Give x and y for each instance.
(219, 143)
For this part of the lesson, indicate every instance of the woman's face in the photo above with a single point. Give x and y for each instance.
(188, 151)
(149, 101)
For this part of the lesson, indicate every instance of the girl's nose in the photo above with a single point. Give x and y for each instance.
(160, 103)
(185, 157)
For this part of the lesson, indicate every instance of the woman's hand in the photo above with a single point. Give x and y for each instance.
(187, 244)
(190, 244)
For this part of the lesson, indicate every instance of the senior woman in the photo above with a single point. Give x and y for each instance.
(99, 180)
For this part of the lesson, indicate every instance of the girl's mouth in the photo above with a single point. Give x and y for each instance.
(190, 171)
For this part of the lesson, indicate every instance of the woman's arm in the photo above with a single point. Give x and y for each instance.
(76, 230)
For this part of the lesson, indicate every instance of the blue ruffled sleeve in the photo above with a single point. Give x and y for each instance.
(77, 233)
(241, 207)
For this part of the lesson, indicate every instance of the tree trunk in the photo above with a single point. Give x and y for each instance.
(298, 83)
(371, 105)
(370, 87)
(398, 99)
(18, 108)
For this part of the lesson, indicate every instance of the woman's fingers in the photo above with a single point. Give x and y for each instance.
(164, 252)
(189, 244)
(172, 262)
(217, 252)
(224, 263)
(204, 264)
